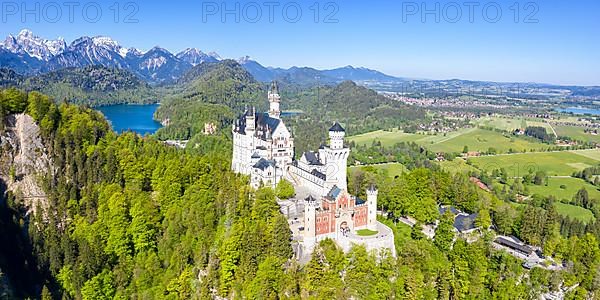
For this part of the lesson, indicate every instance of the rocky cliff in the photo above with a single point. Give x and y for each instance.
(24, 160)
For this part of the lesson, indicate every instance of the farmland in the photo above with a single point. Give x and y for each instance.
(483, 140)
(510, 124)
(576, 133)
(553, 163)
(570, 187)
(387, 138)
(591, 153)
(574, 212)
(475, 139)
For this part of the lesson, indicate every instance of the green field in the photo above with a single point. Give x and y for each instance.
(572, 185)
(511, 124)
(393, 169)
(591, 153)
(553, 163)
(387, 138)
(476, 139)
(481, 140)
(577, 133)
(574, 212)
(458, 165)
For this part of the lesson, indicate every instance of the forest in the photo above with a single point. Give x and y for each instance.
(129, 217)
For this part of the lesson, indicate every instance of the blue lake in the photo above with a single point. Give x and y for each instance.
(137, 118)
(580, 111)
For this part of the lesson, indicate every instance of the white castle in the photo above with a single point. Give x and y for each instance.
(263, 148)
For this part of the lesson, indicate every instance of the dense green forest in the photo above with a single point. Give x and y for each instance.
(128, 217)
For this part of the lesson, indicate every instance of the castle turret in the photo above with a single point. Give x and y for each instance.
(372, 208)
(250, 121)
(310, 218)
(336, 136)
(274, 100)
(336, 158)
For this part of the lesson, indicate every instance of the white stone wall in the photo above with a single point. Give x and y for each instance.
(305, 179)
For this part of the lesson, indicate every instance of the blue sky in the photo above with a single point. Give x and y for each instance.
(559, 43)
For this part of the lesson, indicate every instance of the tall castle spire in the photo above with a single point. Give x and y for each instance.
(274, 100)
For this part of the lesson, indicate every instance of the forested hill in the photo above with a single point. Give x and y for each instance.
(208, 93)
(361, 108)
(92, 85)
(358, 108)
(224, 82)
(10, 78)
(223, 70)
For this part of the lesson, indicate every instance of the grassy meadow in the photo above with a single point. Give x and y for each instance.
(474, 138)
(553, 163)
(576, 133)
(511, 124)
(574, 212)
(571, 186)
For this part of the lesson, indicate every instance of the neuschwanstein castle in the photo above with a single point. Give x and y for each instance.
(263, 148)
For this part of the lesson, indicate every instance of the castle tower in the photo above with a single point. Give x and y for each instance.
(336, 158)
(372, 208)
(310, 221)
(274, 100)
(248, 140)
(250, 121)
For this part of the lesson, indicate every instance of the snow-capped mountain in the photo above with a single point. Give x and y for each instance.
(34, 46)
(29, 54)
(195, 57)
(87, 51)
(158, 65)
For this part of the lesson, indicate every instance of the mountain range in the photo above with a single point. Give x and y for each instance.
(29, 54)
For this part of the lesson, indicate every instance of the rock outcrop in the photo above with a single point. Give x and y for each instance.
(24, 160)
